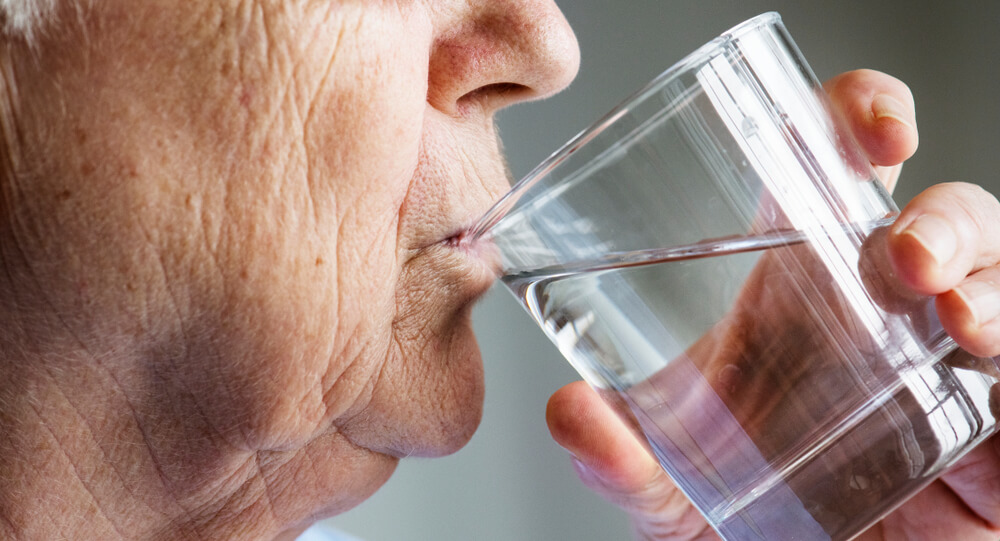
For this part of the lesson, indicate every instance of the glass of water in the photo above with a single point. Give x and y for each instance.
(710, 256)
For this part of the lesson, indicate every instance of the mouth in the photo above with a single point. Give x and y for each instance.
(475, 247)
(459, 267)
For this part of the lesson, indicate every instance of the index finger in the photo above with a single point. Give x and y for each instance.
(944, 243)
(943, 235)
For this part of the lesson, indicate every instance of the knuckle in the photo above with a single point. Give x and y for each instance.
(970, 205)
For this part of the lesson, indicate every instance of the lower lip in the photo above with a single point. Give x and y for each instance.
(465, 266)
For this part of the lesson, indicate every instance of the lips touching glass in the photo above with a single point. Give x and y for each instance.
(710, 257)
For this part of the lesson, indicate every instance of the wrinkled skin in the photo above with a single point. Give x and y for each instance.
(229, 301)
(961, 269)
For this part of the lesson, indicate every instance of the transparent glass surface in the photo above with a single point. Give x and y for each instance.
(710, 257)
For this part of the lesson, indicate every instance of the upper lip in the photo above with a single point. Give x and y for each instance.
(453, 235)
(451, 239)
(460, 241)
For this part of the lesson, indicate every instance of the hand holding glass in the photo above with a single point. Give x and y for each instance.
(711, 258)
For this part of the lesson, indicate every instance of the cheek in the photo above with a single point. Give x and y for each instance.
(308, 247)
(366, 155)
(264, 188)
(362, 151)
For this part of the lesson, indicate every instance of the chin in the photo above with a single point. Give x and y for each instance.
(430, 400)
(427, 400)
(456, 410)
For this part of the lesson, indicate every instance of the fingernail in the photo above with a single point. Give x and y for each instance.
(886, 106)
(936, 235)
(983, 300)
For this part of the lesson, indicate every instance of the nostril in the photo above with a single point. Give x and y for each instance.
(499, 94)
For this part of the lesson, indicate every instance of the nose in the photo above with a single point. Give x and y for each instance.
(493, 53)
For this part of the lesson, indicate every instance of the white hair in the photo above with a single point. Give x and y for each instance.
(23, 18)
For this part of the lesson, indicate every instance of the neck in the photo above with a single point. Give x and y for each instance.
(88, 450)
(80, 457)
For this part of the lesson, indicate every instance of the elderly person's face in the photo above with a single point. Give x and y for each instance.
(257, 197)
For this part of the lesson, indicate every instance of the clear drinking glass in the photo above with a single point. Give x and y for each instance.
(710, 257)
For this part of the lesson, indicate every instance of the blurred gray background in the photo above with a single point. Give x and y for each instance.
(512, 482)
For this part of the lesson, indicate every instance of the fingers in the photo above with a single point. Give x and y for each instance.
(880, 113)
(945, 243)
(943, 234)
(969, 313)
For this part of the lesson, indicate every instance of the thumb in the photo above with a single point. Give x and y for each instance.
(611, 461)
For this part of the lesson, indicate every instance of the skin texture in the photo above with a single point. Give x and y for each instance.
(230, 300)
(229, 296)
(943, 244)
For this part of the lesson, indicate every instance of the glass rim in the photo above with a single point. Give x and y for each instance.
(692, 59)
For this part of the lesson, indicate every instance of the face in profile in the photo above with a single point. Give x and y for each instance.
(256, 199)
